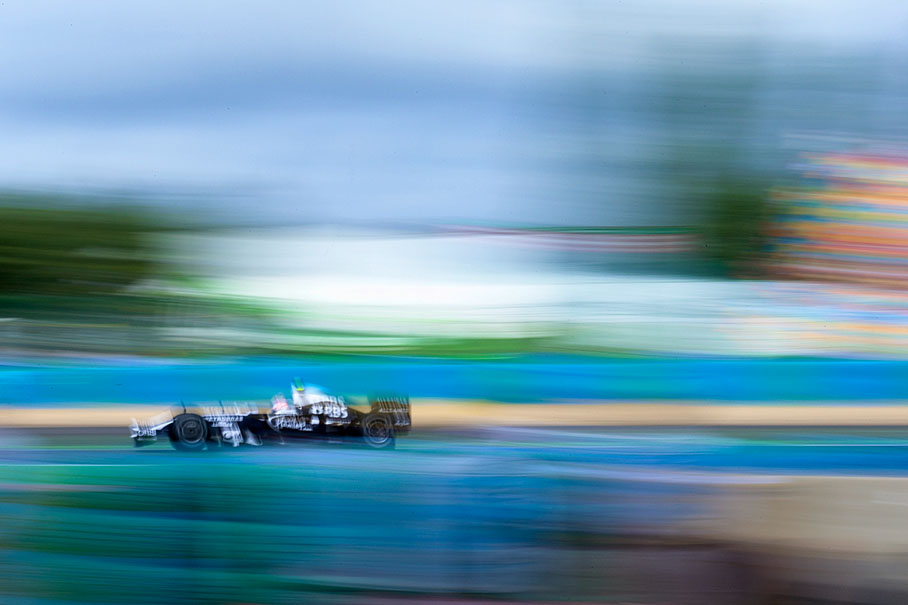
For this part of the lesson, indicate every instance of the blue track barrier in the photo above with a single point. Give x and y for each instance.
(521, 379)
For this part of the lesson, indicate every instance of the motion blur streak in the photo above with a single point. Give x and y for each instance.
(633, 272)
(850, 224)
(681, 516)
(506, 514)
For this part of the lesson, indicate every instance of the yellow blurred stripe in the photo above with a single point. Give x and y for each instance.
(447, 413)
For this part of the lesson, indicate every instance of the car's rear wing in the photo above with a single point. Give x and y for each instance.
(398, 408)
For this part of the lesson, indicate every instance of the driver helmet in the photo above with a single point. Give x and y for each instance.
(298, 389)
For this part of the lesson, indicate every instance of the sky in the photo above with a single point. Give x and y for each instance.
(297, 112)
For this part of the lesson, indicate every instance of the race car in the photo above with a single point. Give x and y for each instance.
(311, 412)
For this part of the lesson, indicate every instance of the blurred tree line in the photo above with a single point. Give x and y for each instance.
(735, 234)
(719, 152)
(72, 252)
(722, 108)
(73, 259)
(94, 275)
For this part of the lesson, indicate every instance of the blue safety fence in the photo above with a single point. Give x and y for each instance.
(534, 378)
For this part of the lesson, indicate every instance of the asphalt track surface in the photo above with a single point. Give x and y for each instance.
(881, 451)
(521, 514)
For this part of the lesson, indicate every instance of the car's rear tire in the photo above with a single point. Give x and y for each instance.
(188, 433)
(378, 432)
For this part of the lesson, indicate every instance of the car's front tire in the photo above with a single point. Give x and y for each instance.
(188, 433)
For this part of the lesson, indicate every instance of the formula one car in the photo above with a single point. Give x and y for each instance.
(311, 412)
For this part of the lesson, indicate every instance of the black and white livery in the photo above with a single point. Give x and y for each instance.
(311, 412)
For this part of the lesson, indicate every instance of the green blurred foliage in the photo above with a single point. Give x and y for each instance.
(52, 249)
(734, 230)
(718, 162)
(91, 275)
